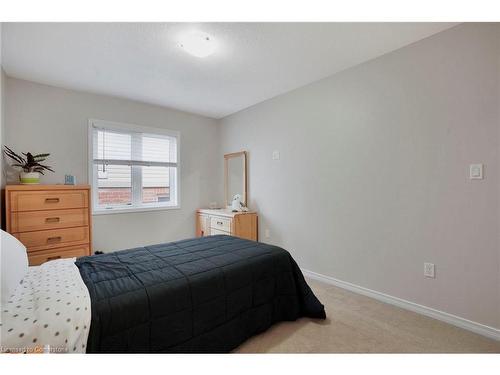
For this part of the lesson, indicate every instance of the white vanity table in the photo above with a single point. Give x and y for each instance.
(239, 224)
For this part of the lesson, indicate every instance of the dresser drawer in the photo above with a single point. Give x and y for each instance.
(220, 223)
(48, 200)
(47, 239)
(24, 221)
(43, 256)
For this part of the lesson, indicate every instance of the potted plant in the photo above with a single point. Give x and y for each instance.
(30, 164)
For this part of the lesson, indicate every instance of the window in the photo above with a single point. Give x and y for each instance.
(133, 168)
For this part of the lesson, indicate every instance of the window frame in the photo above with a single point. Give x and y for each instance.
(93, 177)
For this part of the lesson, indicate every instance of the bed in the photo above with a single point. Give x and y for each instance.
(203, 295)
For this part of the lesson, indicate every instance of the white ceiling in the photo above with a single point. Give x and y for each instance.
(141, 61)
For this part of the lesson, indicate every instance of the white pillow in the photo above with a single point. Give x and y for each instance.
(13, 264)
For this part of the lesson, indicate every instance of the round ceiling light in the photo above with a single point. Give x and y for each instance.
(197, 43)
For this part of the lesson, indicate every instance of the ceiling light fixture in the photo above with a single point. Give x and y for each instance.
(197, 43)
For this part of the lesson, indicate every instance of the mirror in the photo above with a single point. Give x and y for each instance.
(235, 176)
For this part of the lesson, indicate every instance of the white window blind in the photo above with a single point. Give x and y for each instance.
(133, 167)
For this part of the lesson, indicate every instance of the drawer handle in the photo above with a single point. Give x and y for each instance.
(52, 220)
(220, 223)
(51, 200)
(54, 257)
(54, 239)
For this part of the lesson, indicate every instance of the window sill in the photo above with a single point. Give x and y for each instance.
(112, 211)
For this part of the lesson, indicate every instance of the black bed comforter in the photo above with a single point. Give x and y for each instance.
(199, 295)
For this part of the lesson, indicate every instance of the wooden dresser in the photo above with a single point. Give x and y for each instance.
(52, 221)
(239, 224)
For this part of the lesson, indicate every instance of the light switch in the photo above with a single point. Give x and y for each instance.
(476, 172)
(276, 155)
(430, 270)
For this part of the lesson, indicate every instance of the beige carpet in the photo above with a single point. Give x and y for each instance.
(358, 324)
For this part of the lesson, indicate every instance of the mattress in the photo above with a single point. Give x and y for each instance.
(203, 295)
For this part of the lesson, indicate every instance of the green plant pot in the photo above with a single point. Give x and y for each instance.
(29, 178)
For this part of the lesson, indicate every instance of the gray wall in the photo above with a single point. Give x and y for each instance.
(41, 118)
(2, 98)
(2, 178)
(372, 180)
(498, 171)
(373, 177)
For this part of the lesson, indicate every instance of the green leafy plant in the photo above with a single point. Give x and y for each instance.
(28, 162)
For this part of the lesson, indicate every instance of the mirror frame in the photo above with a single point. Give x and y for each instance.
(226, 158)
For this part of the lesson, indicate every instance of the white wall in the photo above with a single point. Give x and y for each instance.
(41, 118)
(373, 177)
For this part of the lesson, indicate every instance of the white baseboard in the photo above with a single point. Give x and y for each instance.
(469, 325)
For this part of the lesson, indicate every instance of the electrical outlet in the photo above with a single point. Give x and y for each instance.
(267, 233)
(276, 155)
(429, 270)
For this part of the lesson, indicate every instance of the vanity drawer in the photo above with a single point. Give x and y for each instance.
(48, 200)
(24, 221)
(220, 223)
(213, 232)
(39, 257)
(47, 239)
